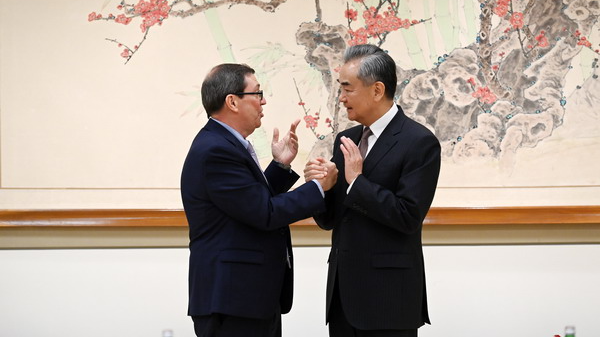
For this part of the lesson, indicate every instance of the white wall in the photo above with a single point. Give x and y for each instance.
(473, 291)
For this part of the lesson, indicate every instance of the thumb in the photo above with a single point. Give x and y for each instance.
(275, 135)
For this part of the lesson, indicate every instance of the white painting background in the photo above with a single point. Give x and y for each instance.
(79, 129)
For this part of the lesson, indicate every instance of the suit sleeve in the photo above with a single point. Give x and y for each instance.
(325, 220)
(403, 208)
(280, 180)
(234, 189)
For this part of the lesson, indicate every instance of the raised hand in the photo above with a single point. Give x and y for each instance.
(286, 149)
(353, 161)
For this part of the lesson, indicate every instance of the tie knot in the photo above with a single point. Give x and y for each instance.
(366, 133)
(250, 148)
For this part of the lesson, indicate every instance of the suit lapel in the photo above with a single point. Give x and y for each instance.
(218, 128)
(386, 141)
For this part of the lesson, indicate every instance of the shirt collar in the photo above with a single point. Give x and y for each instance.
(383, 121)
(237, 135)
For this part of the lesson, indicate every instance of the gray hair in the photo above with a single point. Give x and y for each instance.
(375, 66)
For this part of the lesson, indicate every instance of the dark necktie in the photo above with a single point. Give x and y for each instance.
(363, 146)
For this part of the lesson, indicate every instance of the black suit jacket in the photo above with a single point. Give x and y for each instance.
(238, 226)
(376, 254)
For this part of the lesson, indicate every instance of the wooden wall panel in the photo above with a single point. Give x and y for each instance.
(131, 228)
(440, 216)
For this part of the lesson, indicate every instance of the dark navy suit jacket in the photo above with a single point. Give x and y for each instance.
(376, 255)
(241, 260)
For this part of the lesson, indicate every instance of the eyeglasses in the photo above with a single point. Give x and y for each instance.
(259, 93)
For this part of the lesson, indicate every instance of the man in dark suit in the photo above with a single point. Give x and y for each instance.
(241, 262)
(376, 278)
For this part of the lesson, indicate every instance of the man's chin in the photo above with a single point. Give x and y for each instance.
(350, 115)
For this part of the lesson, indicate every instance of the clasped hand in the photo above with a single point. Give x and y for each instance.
(321, 170)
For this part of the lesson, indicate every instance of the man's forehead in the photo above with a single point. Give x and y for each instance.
(251, 81)
(348, 73)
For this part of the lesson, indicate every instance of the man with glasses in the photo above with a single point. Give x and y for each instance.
(241, 262)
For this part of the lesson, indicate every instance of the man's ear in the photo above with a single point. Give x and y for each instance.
(378, 90)
(231, 102)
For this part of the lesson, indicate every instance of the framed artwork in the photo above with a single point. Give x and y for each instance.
(99, 101)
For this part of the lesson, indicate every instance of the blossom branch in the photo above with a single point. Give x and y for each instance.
(270, 6)
(129, 52)
(483, 94)
(154, 12)
(311, 121)
(377, 25)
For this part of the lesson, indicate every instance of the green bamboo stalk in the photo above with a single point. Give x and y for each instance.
(219, 35)
(471, 17)
(444, 21)
(411, 40)
(455, 31)
(433, 52)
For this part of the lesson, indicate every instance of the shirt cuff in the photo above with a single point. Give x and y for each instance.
(320, 187)
(350, 187)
